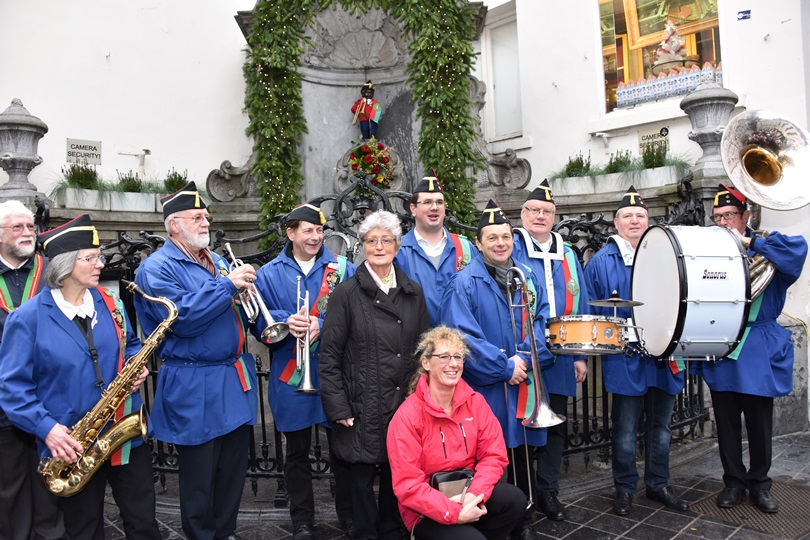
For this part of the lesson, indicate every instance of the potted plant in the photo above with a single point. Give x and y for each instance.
(132, 194)
(80, 187)
(653, 168)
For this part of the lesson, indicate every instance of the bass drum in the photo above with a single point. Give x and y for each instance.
(694, 284)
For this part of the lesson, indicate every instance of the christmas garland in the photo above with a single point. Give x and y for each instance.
(441, 33)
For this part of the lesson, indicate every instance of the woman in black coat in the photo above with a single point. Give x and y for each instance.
(369, 336)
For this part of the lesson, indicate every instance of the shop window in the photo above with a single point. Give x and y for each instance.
(632, 31)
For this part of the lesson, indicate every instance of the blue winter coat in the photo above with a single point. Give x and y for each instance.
(474, 304)
(764, 366)
(46, 372)
(199, 393)
(277, 284)
(628, 376)
(560, 378)
(412, 260)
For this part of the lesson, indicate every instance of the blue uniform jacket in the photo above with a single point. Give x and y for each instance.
(764, 366)
(412, 260)
(15, 281)
(560, 378)
(46, 372)
(474, 304)
(277, 284)
(628, 376)
(199, 394)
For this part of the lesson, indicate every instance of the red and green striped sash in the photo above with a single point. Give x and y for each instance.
(31, 286)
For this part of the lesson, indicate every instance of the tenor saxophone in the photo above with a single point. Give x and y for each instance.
(66, 479)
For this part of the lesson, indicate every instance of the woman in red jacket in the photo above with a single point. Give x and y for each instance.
(442, 426)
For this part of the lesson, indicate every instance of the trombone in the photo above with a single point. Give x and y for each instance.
(254, 306)
(542, 416)
(302, 345)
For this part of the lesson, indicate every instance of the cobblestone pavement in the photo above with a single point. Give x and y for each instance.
(588, 495)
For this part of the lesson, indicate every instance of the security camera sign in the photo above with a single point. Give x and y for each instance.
(81, 151)
(658, 137)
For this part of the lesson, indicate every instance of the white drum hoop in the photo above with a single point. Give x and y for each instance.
(660, 252)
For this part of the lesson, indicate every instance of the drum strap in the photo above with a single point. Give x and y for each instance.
(752, 316)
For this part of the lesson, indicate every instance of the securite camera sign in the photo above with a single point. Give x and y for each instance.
(652, 138)
(82, 151)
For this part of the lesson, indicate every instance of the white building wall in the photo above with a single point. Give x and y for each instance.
(765, 62)
(166, 76)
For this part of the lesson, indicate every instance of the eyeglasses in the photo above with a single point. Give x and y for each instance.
(197, 219)
(17, 229)
(429, 204)
(542, 212)
(385, 240)
(728, 216)
(93, 258)
(445, 357)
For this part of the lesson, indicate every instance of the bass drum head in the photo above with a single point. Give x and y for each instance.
(657, 281)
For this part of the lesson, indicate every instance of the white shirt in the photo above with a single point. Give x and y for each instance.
(434, 253)
(305, 266)
(11, 265)
(86, 309)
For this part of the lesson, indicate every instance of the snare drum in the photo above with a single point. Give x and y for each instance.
(585, 334)
(694, 284)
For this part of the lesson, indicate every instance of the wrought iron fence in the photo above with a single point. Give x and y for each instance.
(588, 426)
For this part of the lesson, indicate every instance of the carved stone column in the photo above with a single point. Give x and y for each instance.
(20, 132)
(709, 107)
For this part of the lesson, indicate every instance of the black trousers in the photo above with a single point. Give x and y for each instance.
(758, 412)
(134, 492)
(373, 521)
(526, 472)
(298, 478)
(549, 457)
(27, 508)
(505, 509)
(212, 478)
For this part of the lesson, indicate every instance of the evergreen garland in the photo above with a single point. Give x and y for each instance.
(442, 57)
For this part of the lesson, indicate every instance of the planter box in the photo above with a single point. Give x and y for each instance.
(83, 199)
(132, 202)
(616, 182)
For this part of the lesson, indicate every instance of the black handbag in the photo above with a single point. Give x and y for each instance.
(452, 483)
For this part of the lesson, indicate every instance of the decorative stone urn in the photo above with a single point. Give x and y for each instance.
(20, 132)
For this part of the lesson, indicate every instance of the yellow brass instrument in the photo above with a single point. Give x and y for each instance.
(66, 479)
(254, 306)
(302, 346)
(542, 416)
(766, 158)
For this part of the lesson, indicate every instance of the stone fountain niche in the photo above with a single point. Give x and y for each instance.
(347, 51)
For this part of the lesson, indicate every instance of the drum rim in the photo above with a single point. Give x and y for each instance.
(684, 290)
(683, 287)
(587, 318)
(587, 347)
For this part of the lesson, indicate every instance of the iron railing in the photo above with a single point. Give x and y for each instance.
(588, 426)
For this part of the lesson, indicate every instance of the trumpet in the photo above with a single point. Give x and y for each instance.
(542, 416)
(254, 306)
(302, 346)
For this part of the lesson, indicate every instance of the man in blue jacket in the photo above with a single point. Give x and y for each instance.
(305, 265)
(430, 254)
(25, 504)
(477, 302)
(205, 396)
(760, 368)
(636, 383)
(557, 269)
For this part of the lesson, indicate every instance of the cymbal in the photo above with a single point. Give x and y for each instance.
(615, 302)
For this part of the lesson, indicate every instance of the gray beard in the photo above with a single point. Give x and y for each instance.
(198, 243)
(20, 252)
